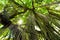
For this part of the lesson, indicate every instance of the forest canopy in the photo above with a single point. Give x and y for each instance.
(29, 19)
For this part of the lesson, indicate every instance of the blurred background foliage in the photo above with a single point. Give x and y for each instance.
(30, 19)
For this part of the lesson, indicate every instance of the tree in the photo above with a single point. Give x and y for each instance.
(19, 20)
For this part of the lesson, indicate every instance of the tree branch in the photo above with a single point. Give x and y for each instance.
(17, 13)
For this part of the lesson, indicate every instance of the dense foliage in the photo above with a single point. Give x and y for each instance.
(29, 20)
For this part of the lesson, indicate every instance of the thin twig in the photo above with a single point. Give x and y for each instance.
(53, 10)
(58, 2)
(22, 2)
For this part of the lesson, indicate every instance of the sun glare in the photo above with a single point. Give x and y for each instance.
(20, 22)
(37, 28)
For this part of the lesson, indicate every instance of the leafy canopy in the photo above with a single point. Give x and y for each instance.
(29, 19)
